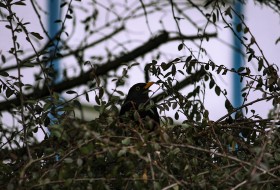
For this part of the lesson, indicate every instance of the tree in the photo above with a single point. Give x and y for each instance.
(188, 151)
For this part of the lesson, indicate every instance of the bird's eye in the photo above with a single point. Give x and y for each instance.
(137, 88)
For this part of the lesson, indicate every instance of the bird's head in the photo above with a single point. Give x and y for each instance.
(139, 92)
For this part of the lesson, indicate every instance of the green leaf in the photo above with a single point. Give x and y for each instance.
(260, 65)
(166, 66)
(126, 141)
(277, 156)
(69, 17)
(188, 59)
(174, 105)
(211, 84)
(250, 57)
(63, 4)
(241, 69)
(176, 116)
(136, 115)
(122, 152)
(87, 97)
(3, 58)
(228, 105)
(224, 72)
(214, 17)
(120, 92)
(246, 29)
(173, 71)
(239, 27)
(19, 3)
(68, 160)
(4, 73)
(28, 64)
(180, 47)
(37, 35)
(219, 69)
(97, 100)
(207, 67)
(71, 92)
(9, 92)
(218, 90)
(79, 162)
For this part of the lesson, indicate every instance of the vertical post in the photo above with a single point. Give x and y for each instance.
(237, 62)
(53, 29)
(237, 57)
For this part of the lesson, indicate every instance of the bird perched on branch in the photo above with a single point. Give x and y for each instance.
(137, 106)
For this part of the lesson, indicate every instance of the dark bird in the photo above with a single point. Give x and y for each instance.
(138, 100)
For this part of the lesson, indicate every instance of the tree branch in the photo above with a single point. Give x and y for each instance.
(83, 78)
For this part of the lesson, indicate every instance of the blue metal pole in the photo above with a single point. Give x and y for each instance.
(237, 58)
(53, 28)
(238, 61)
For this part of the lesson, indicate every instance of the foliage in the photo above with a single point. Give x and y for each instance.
(188, 151)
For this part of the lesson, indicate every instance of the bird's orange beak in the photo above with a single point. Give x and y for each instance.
(148, 84)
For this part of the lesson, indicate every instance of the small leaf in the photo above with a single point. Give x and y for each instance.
(9, 92)
(224, 72)
(180, 47)
(173, 71)
(122, 152)
(260, 65)
(188, 59)
(214, 17)
(79, 162)
(207, 67)
(176, 116)
(241, 69)
(101, 93)
(63, 4)
(246, 29)
(69, 16)
(174, 105)
(3, 58)
(136, 115)
(8, 26)
(71, 92)
(211, 84)
(68, 160)
(239, 27)
(250, 57)
(218, 90)
(126, 141)
(37, 35)
(97, 100)
(87, 97)
(219, 69)
(228, 105)
(165, 66)
(228, 12)
(4, 73)
(19, 3)
(120, 92)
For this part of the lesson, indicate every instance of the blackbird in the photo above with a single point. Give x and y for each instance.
(138, 100)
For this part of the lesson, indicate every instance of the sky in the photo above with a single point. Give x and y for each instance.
(262, 21)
